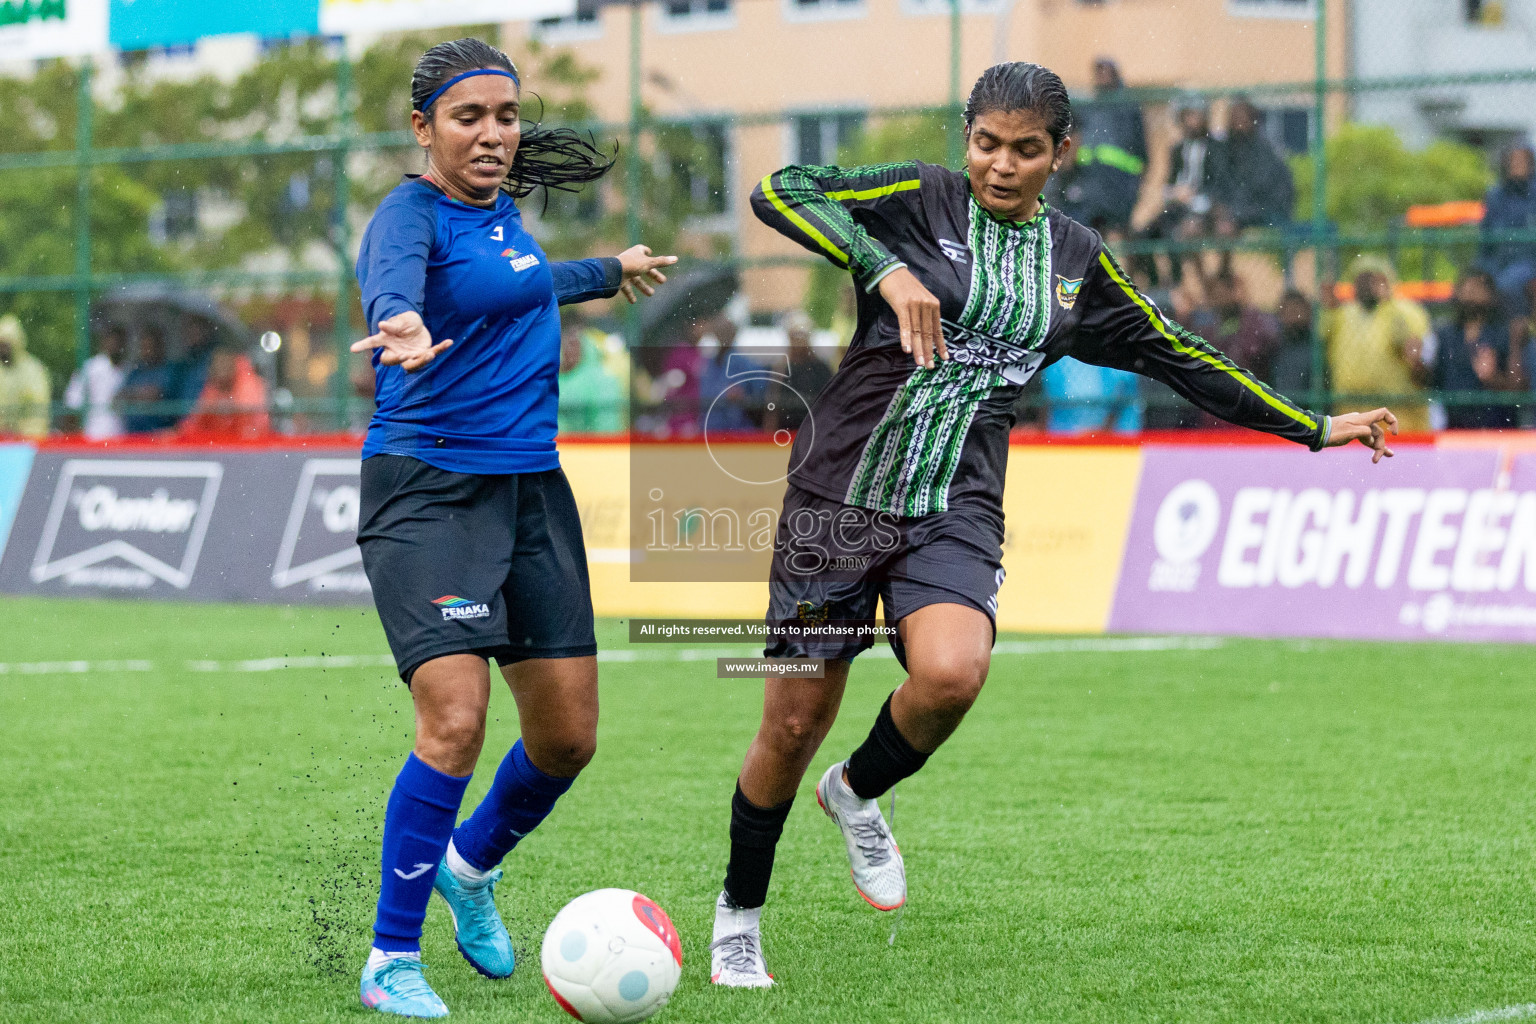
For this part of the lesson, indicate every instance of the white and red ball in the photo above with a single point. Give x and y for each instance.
(611, 957)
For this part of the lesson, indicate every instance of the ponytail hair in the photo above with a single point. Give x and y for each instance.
(548, 158)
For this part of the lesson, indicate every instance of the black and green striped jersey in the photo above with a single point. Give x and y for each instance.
(1013, 297)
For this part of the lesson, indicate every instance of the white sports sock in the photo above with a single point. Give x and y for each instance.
(462, 869)
(731, 920)
(378, 958)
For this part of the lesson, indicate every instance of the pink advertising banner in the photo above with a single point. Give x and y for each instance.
(1434, 544)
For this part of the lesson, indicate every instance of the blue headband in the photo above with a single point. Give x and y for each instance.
(456, 79)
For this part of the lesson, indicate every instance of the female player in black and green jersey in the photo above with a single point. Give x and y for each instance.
(967, 286)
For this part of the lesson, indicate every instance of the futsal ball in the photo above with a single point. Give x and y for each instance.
(611, 957)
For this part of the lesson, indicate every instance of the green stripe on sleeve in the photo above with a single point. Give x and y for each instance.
(800, 222)
(860, 195)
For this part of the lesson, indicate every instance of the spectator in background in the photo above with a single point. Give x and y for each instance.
(788, 403)
(197, 352)
(1249, 336)
(1525, 343)
(1077, 190)
(675, 388)
(1083, 398)
(24, 392)
(149, 380)
(1256, 187)
(233, 402)
(1476, 350)
(1375, 344)
(1195, 167)
(95, 385)
(1111, 150)
(1511, 205)
(730, 394)
(364, 380)
(1291, 368)
(591, 399)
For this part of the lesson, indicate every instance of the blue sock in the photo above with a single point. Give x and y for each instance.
(418, 822)
(520, 798)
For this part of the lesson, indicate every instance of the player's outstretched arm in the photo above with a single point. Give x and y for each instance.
(1369, 428)
(642, 271)
(405, 341)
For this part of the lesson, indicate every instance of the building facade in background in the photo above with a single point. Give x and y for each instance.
(734, 65)
(1390, 38)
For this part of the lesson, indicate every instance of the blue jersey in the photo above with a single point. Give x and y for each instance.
(487, 403)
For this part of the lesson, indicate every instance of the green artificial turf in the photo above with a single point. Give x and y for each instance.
(1263, 832)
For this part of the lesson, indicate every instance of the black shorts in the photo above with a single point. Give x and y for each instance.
(832, 562)
(461, 563)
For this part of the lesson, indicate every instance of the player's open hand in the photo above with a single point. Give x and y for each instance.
(405, 340)
(917, 314)
(642, 271)
(1369, 428)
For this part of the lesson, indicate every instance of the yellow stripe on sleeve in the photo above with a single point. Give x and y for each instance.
(800, 222)
(875, 193)
(1179, 346)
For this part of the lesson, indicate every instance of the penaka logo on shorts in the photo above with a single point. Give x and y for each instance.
(124, 525)
(319, 546)
(454, 607)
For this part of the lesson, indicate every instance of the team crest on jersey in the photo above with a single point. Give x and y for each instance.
(520, 261)
(813, 614)
(1067, 291)
(461, 608)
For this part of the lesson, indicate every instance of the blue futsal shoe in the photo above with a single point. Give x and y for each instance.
(397, 986)
(477, 928)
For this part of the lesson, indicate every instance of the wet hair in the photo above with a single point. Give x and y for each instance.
(547, 158)
(1022, 86)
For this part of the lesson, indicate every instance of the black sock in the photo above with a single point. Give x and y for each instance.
(755, 832)
(883, 759)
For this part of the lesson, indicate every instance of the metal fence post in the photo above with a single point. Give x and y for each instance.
(954, 150)
(1320, 389)
(632, 190)
(84, 116)
(341, 381)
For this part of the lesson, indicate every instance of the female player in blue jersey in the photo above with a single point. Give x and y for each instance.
(469, 532)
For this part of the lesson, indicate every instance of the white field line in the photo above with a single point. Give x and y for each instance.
(1521, 1011)
(59, 668)
(634, 653)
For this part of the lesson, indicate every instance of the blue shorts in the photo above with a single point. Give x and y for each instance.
(470, 564)
(832, 564)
